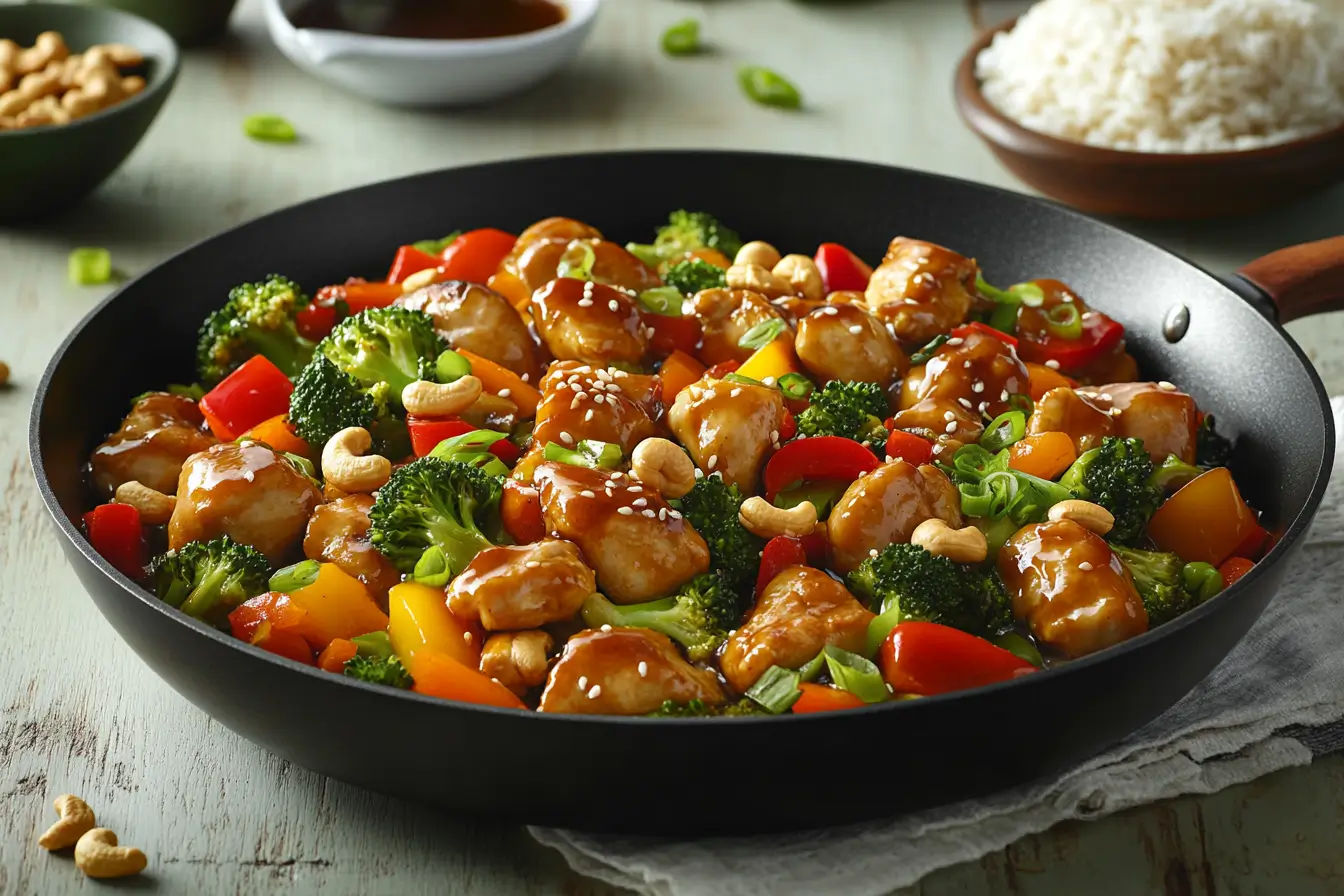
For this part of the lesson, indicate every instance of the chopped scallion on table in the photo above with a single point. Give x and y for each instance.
(682, 39)
(269, 129)
(90, 266)
(768, 88)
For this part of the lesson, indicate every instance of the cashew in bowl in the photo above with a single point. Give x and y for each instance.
(762, 518)
(661, 464)
(45, 84)
(345, 466)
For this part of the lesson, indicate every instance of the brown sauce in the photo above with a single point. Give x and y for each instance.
(432, 19)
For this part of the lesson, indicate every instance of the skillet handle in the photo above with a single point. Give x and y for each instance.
(1301, 280)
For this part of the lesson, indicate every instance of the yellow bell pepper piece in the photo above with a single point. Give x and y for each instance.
(337, 606)
(772, 361)
(421, 621)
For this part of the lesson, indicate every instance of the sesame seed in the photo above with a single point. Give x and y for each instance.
(648, 513)
(527, 377)
(618, 475)
(774, 435)
(949, 416)
(585, 302)
(662, 513)
(637, 489)
(614, 305)
(1114, 412)
(566, 438)
(588, 493)
(613, 387)
(699, 474)
(1170, 387)
(606, 627)
(937, 449)
(640, 502)
(964, 402)
(599, 398)
(982, 406)
(603, 375)
(977, 387)
(588, 415)
(578, 399)
(1052, 364)
(890, 689)
(466, 636)
(1003, 396)
(734, 393)
(561, 386)
(1106, 396)
(594, 692)
(1085, 566)
(768, 381)
(890, 459)
(583, 682)
(872, 552)
(954, 341)
(675, 514)
(951, 427)
(713, 461)
(830, 311)
(625, 511)
(643, 669)
(856, 329)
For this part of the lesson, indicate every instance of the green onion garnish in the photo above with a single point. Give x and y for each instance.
(924, 354)
(776, 690)
(473, 448)
(588, 453)
(90, 266)
(1006, 429)
(855, 674)
(376, 645)
(451, 367)
(665, 300)
(269, 129)
(761, 85)
(795, 385)
(432, 568)
(292, 578)
(577, 261)
(1065, 321)
(739, 378)
(682, 39)
(1019, 647)
(764, 333)
(812, 668)
(436, 247)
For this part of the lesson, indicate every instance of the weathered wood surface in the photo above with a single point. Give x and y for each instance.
(78, 711)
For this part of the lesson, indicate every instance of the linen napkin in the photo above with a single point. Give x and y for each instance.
(1274, 702)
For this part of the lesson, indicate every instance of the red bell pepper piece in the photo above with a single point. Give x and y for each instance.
(316, 321)
(985, 330)
(926, 658)
(789, 428)
(410, 260)
(672, 334)
(909, 447)
(1254, 545)
(816, 546)
(817, 458)
(841, 269)
(780, 553)
(475, 255)
(254, 392)
(428, 432)
(1100, 335)
(722, 369)
(1233, 568)
(268, 621)
(115, 533)
(359, 295)
(823, 698)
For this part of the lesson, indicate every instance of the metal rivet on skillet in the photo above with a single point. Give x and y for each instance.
(1176, 323)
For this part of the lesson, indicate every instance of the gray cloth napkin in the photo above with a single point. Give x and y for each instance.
(1277, 700)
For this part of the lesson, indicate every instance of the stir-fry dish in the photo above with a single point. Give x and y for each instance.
(691, 477)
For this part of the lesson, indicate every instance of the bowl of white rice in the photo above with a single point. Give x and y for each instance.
(1163, 108)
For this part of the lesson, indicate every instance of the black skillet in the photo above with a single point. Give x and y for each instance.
(1218, 340)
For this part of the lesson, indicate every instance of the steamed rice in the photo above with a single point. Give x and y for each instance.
(1170, 75)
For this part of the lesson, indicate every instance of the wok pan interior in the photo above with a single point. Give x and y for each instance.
(1233, 360)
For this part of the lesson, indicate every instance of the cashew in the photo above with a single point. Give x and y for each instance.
(132, 85)
(45, 111)
(121, 55)
(76, 820)
(33, 87)
(344, 466)
(48, 48)
(9, 54)
(420, 279)
(766, 520)
(662, 465)
(757, 252)
(98, 855)
(966, 545)
(758, 279)
(1086, 514)
(156, 508)
(802, 274)
(427, 399)
(70, 69)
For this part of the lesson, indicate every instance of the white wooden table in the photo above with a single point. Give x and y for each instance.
(78, 711)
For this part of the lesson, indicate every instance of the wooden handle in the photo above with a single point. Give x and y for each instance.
(1302, 280)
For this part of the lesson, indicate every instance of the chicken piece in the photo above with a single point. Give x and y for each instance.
(1064, 410)
(539, 263)
(517, 660)
(946, 422)
(921, 289)
(580, 402)
(795, 308)
(1070, 588)
(1165, 418)
(725, 317)
(848, 297)
(338, 532)
(884, 507)
(157, 436)
(978, 371)
(480, 320)
(556, 229)
(247, 492)
(579, 320)
(728, 427)
(522, 586)
(845, 342)
(799, 613)
(625, 672)
(639, 547)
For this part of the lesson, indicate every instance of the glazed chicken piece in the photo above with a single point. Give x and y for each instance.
(338, 532)
(480, 320)
(1070, 588)
(247, 492)
(884, 507)
(517, 660)
(948, 424)
(522, 586)
(1064, 410)
(1165, 418)
(639, 547)
(921, 289)
(978, 371)
(539, 263)
(800, 612)
(154, 440)
(728, 427)
(579, 320)
(725, 317)
(625, 672)
(845, 342)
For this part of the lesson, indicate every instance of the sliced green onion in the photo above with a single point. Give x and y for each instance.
(292, 578)
(451, 367)
(648, 253)
(1029, 294)
(1004, 318)
(665, 300)
(436, 247)
(1007, 429)
(739, 378)
(924, 354)
(761, 335)
(812, 668)
(769, 88)
(823, 496)
(1019, 402)
(432, 568)
(682, 39)
(993, 293)
(588, 453)
(881, 626)
(300, 463)
(1065, 321)
(90, 266)
(577, 261)
(795, 386)
(776, 690)
(375, 645)
(473, 448)
(269, 129)
(855, 674)
(1019, 647)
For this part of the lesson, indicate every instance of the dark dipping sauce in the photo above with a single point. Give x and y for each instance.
(432, 19)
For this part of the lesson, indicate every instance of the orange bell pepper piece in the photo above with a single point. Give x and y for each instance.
(421, 621)
(1045, 455)
(1205, 520)
(439, 675)
(335, 655)
(1043, 379)
(822, 698)
(678, 372)
(496, 379)
(337, 606)
(771, 361)
(279, 434)
(511, 288)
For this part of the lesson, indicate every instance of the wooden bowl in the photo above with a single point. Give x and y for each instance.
(1143, 184)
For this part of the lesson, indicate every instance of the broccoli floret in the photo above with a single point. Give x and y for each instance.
(327, 400)
(1212, 449)
(392, 345)
(386, 671)
(671, 709)
(1117, 475)
(698, 617)
(433, 504)
(1173, 473)
(207, 579)
(692, 275)
(906, 583)
(712, 508)
(685, 232)
(851, 410)
(258, 319)
(1168, 585)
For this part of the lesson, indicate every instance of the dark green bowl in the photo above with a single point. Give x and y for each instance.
(47, 169)
(190, 22)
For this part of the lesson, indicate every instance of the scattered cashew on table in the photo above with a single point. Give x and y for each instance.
(97, 853)
(46, 84)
